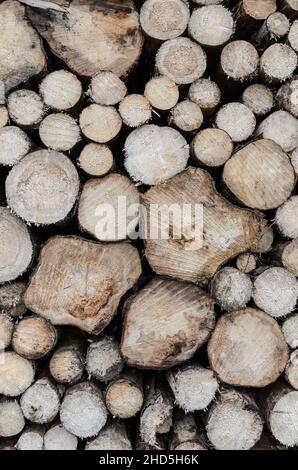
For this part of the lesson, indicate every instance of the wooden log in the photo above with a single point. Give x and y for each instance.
(67, 362)
(16, 252)
(182, 60)
(32, 438)
(231, 289)
(247, 348)
(21, 52)
(246, 262)
(287, 96)
(107, 89)
(112, 437)
(281, 127)
(181, 320)
(162, 93)
(184, 434)
(25, 108)
(277, 63)
(290, 8)
(212, 147)
(59, 132)
(185, 252)
(114, 40)
(164, 19)
(276, 291)
(34, 337)
(237, 120)
(249, 13)
(93, 123)
(37, 175)
(294, 160)
(193, 386)
(6, 330)
(186, 116)
(291, 371)
(103, 359)
(286, 218)
(124, 395)
(135, 110)
(293, 35)
(3, 116)
(239, 62)
(160, 443)
(40, 403)
(287, 254)
(206, 94)
(259, 98)
(212, 26)
(11, 299)
(61, 90)
(83, 412)
(154, 154)
(274, 29)
(71, 287)
(16, 374)
(58, 438)
(207, 2)
(11, 418)
(237, 412)
(269, 176)
(2, 93)
(290, 330)
(14, 145)
(265, 241)
(96, 159)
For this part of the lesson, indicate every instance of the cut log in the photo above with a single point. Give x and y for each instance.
(286, 218)
(276, 291)
(237, 120)
(21, 52)
(186, 116)
(91, 36)
(11, 299)
(31, 438)
(287, 97)
(16, 252)
(162, 93)
(274, 29)
(291, 371)
(165, 323)
(294, 160)
(290, 330)
(43, 187)
(248, 13)
(182, 60)
(96, 159)
(231, 289)
(212, 147)
(278, 63)
(155, 154)
(135, 110)
(11, 418)
(100, 123)
(58, 438)
(206, 94)
(290, 8)
(34, 337)
(211, 26)
(105, 207)
(239, 61)
(185, 434)
(6, 330)
(124, 395)
(40, 403)
(107, 89)
(193, 386)
(112, 437)
(233, 421)
(16, 374)
(265, 241)
(3, 116)
(259, 98)
(293, 35)
(67, 362)
(80, 282)
(14, 145)
(188, 252)
(164, 19)
(287, 254)
(281, 127)
(103, 359)
(246, 262)
(25, 108)
(83, 412)
(260, 175)
(59, 132)
(61, 90)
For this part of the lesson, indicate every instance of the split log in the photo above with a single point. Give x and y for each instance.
(287, 96)
(59, 132)
(277, 63)
(6, 330)
(247, 349)
(239, 62)
(193, 386)
(16, 253)
(164, 19)
(14, 145)
(182, 60)
(180, 321)
(67, 362)
(206, 94)
(16, 374)
(112, 437)
(58, 438)
(31, 438)
(71, 286)
(114, 40)
(135, 110)
(83, 412)
(11, 418)
(282, 128)
(186, 116)
(291, 371)
(96, 159)
(276, 291)
(3, 116)
(212, 26)
(34, 178)
(61, 90)
(155, 154)
(34, 337)
(260, 175)
(290, 330)
(11, 299)
(21, 52)
(162, 93)
(290, 8)
(25, 108)
(293, 35)
(186, 252)
(185, 434)
(249, 13)
(259, 98)
(246, 262)
(40, 403)
(234, 421)
(103, 359)
(231, 289)
(286, 218)
(100, 123)
(212, 147)
(237, 120)
(124, 395)
(107, 89)
(274, 29)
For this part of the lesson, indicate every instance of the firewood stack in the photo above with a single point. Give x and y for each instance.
(111, 336)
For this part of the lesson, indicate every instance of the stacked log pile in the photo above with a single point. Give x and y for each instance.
(123, 327)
